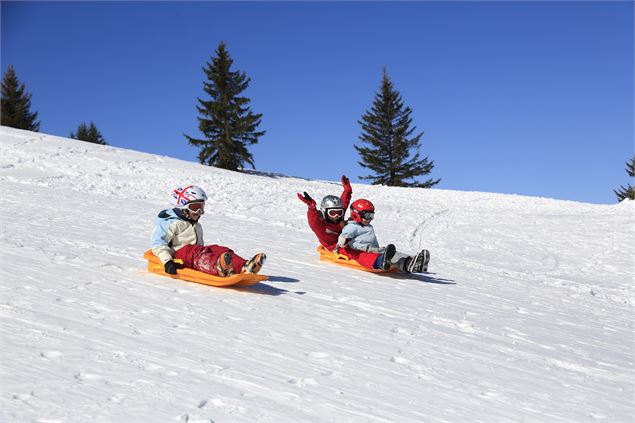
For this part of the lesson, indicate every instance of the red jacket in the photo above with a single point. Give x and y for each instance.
(327, 232)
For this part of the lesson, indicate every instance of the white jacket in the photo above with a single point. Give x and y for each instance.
(173, 231)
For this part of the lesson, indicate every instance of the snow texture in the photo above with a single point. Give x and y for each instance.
(526, 314)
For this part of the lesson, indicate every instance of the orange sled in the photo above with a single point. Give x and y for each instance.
(191, 275)
(342, 260)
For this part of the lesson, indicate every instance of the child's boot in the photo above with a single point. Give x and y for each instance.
(386, 259)
(426, 260)
(404, 264)
(255, 263)
(224, 265)
(419, 263)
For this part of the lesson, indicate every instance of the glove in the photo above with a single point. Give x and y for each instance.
(346, 183)
(306, 199)
(170, 267)
(379, 250)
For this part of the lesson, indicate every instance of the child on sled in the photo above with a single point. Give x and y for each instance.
(358, 239)
(178, 235)
(327, 224)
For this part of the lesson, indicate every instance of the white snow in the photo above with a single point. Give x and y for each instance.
(526, 314)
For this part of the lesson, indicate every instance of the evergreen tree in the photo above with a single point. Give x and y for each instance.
(227, 123)
(387, 131)
(16, 104)
(89, 133)
(629, 191)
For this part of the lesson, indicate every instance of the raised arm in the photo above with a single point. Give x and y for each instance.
(313, 215)
(347, 194)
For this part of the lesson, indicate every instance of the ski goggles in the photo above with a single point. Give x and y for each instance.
(367, 215)
(196, 208)
(335, 213)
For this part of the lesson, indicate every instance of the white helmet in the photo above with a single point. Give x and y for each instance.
(190, 194)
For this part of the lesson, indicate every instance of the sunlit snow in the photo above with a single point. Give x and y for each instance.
(526, 314)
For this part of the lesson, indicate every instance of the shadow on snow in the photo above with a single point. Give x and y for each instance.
(421, 277)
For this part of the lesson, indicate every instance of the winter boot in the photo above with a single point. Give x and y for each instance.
(224, 265)
(404, 264)
(255, 263)
(426, 260)
(419, 263)
(386, 259)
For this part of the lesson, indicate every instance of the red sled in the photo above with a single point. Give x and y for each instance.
(191, 275)
(342, 260)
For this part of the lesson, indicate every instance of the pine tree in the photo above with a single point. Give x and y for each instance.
(16, 104)
(629, 191)
(227, 123)
(89, 133)
(387, 129)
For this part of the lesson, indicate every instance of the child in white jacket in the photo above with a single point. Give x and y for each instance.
(178, 234)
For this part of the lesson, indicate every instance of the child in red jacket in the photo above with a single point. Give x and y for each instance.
(327, 223)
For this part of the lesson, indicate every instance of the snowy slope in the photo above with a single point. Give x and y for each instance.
(526, 314)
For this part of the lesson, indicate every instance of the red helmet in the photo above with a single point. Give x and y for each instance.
(362, 209)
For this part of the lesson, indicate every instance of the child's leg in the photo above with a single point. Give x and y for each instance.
(237, 262)
(188, 253)
(206, 258)
(385, 261)
(401, 260)
(365, 259)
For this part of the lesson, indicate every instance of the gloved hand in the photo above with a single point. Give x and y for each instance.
(170, 267)
(346, 183)
(306, 199)
(370, 249)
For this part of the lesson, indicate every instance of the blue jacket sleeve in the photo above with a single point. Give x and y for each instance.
(161, 237)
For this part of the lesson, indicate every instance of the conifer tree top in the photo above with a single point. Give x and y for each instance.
(16, 103)
(226, 121)
(389, 148)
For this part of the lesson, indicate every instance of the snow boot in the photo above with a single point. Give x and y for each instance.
(419, 263)
(386, 259)
(224, 264)
(255, 263)
(426, 260)
(404, 264)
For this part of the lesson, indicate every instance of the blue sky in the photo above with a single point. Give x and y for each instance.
(532, 98)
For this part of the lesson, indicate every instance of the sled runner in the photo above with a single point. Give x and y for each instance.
(191, 275)
(342, 260)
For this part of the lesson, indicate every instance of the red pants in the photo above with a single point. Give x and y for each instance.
(204, 258)
(362, 257)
